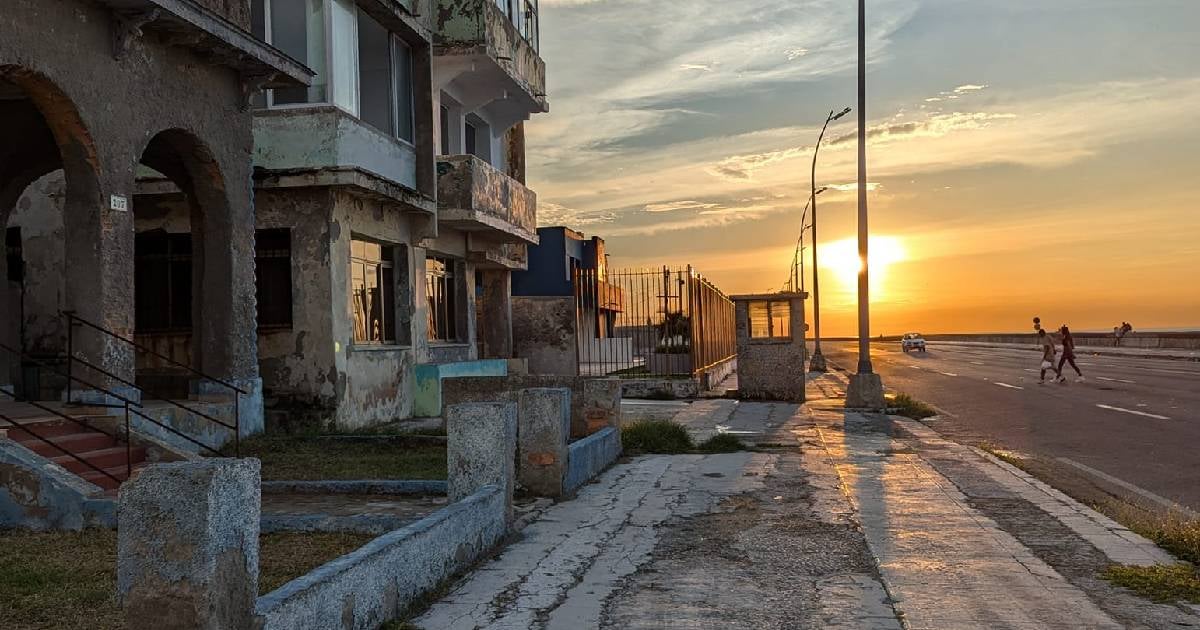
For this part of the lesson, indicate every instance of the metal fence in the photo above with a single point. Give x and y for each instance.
(663, 322)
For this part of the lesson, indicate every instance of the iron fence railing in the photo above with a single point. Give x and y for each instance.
(664, 322)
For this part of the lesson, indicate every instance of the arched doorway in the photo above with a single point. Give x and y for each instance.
(47, 156)
(182, 264)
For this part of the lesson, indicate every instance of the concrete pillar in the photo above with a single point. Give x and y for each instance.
(187, 545)
(481, 448)
(600, 406)
(543, 429)
(495, 323)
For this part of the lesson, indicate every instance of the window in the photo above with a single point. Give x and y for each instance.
(478, 138)
(372, 292)
(297, 27)
(440, 293)
(444, 146)
(273, 277)
(162, 279)
(470, 137)
(385, 79)
(770, 320)
(13, 256)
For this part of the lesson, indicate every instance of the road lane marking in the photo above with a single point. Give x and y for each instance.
(1167, 503)
(947, 373)
(1007, 385)
(1114, 380)
(978, 362)
(916, 367)
(1132, 411)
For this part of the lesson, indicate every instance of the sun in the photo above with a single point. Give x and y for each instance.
(841, 258)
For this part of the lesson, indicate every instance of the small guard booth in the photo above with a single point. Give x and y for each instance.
(771, 355)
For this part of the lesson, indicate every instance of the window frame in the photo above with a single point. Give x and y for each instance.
(169, 259)
(387, 293)
(449, 281)
(771, 336)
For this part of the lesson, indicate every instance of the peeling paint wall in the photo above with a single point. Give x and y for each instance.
(39, 215)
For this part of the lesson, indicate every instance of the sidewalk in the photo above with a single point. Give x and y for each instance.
(853, 521)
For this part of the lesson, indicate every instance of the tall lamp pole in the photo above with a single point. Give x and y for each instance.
(796, 279)
(817, 364)
(866, 388)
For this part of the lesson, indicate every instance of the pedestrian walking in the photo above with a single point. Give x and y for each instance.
(1068, 354)
(1047, 356)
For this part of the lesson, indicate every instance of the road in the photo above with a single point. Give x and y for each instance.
(1136, 420)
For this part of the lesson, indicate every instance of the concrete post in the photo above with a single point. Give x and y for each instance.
(601, 405)
(187, 545)
(495, 325)
(543, 429)
(481, 448)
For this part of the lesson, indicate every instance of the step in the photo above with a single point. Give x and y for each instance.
(106, 483)
(73, 442)
(102, 458)
(48, 428)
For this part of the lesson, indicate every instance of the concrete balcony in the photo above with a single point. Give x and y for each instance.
(322, 145)
(477, 47)
(477, 198)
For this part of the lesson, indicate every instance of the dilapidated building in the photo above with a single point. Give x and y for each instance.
(98, 100)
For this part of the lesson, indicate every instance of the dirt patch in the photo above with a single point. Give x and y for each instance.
(757, 561)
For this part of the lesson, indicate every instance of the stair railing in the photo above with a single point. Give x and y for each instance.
(125, 404)
(74, 321)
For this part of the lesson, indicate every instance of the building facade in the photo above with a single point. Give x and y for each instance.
(123, 93)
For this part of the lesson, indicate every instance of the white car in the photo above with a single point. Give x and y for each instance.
(912, 341)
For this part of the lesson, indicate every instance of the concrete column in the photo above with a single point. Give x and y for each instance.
(187, 545)
(481, 445)
(495, 323)
(543, 429)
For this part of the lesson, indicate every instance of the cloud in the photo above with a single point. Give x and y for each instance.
(969, 88)
(550, 213)
(696, 66)
(672, 206)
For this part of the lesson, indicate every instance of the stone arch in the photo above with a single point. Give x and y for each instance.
(191, 166)
(42, 131)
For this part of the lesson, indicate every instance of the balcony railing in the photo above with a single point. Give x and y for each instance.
(474, 196)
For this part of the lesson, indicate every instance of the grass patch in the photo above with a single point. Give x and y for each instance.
(284, 557)
(1175, 583)
(307, 458)
(59, 579)
(910, 407)
(68, 580)
(1174, 532)
(722, 443)
(656, 436)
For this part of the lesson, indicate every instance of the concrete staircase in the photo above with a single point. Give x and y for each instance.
(93, 446)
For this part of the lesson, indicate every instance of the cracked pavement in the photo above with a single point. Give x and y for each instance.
(844, 521)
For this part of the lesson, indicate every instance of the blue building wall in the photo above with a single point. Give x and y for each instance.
(549, 270)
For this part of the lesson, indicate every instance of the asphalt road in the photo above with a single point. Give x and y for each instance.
(1136, 420)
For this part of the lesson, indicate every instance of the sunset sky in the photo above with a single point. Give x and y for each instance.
(1027, 157)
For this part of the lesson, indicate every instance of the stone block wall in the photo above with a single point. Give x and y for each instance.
(544, 333)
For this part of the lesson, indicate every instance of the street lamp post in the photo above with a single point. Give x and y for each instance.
(796, 279)
(866, 389)
(817, 364)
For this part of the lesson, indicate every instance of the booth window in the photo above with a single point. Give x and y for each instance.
(770, 319)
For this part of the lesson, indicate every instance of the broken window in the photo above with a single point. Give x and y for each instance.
(440, 294)
(273, 277)
(162, 271)
(770, 319)
(372, 292)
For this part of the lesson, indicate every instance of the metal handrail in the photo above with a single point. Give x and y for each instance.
(236, 427)
(179, 433)
(72, 317)
(71, 377)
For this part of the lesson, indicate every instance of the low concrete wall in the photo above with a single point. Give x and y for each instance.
(590, 456)
(1174, 341)
(544, 333)
(712, 376)
(660, 388)
(40, 495)
(377, 582)
(431, 381)
(595, 402)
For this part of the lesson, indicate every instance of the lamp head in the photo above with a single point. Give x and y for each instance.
(841, 113)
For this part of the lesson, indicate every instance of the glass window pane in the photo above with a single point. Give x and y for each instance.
(344, 28)
(781, 320)
(387, 285)
(358, 301)
(258, 19)
(759, 320)
(375, 321)
(298, 29)
(375, 73)
(402, 75)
